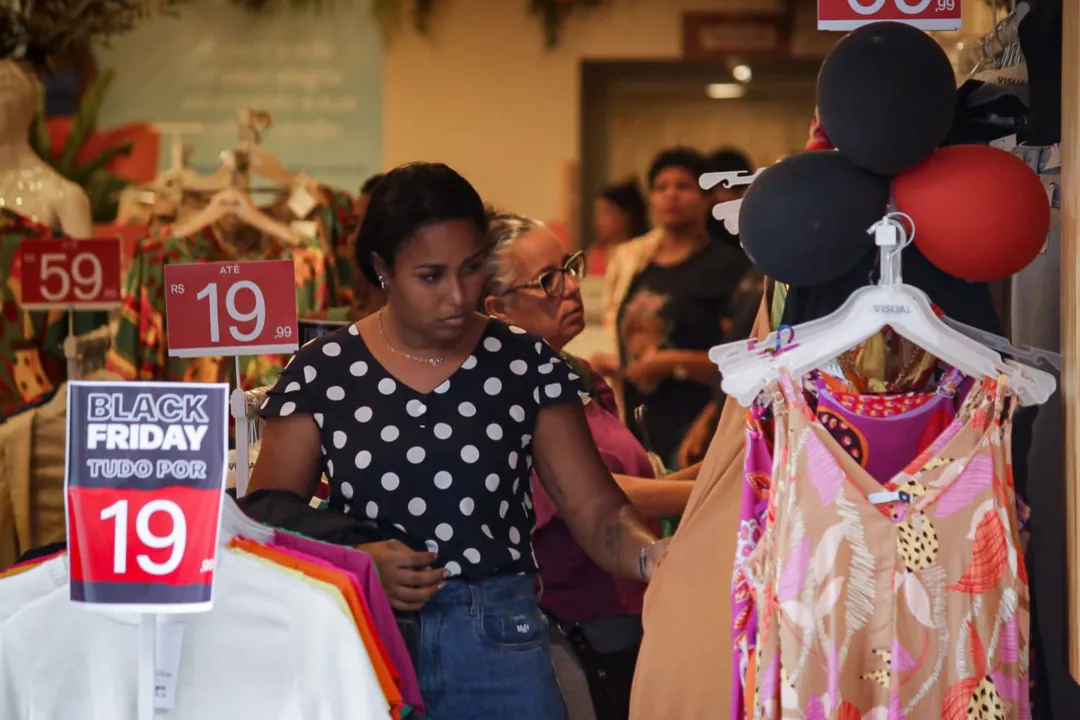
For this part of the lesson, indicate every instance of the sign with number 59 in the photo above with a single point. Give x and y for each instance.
(62, 274)
(924, 14)
(144, 478)
(230, 308)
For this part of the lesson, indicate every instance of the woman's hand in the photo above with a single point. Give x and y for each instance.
(654, 555)
(699, 437)
(650, 370)
(605, 363)
(405, 573)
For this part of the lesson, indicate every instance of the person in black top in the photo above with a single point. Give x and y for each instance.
(742, 304)
(674, 306)
(427, 418)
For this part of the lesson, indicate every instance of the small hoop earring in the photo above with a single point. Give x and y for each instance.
(382, 282)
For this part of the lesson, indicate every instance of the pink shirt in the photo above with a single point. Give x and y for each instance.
(575, 588)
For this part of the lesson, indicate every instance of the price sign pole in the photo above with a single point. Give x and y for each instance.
(70, 275)
(222, 309)
(143, 486)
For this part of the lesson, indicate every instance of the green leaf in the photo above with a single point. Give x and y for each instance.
(81, 174)
(85, 119)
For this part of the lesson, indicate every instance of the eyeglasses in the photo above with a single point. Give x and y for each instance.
(553, 282)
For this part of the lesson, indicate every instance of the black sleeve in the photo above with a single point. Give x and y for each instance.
(288, 511)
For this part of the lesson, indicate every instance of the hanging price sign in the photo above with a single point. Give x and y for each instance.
(77, 274)
(246, 308)
(924, 14)
(144, 479)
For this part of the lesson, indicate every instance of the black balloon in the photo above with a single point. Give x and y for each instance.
(804, 220)
(886, 96)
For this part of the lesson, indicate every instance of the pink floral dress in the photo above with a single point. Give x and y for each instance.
(897, 600)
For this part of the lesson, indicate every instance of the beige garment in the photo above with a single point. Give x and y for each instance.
(684, 667)
(32, 450)
(626, 261)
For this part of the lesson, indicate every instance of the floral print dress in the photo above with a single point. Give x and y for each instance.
(896, 600)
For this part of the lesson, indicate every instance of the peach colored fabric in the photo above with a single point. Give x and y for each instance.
(684, 667)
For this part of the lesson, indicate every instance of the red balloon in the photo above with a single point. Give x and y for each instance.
(980, 213)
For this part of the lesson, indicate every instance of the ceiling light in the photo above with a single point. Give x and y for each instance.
(742, 73)
(725, 91)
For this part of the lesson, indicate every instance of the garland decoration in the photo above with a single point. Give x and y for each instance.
(555, 13)
(31, 30)
(387, 13)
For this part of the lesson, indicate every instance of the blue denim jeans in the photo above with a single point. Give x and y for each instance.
(484, 653)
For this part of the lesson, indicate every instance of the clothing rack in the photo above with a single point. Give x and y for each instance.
(245, 405)
(86, 353)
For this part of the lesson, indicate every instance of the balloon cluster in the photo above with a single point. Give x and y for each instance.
(886, 99)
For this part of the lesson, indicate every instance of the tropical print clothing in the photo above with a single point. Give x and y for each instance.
(140, 348)
(909, 605)
(337, 226)
(32, 362)
(879, 432)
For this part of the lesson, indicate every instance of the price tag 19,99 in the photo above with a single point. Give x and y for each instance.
(246, 308)
(845, 15)
(77, 274)
(144, 481)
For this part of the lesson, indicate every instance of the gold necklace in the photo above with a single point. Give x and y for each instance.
(433, 362)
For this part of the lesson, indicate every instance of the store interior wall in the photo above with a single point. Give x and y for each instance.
(483, 94)
(765, 130)
(319, 76)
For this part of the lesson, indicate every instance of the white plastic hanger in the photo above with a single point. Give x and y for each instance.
(236, 203)
(903, 308)
(728, 212)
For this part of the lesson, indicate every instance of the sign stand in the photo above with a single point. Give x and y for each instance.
(144, 474)
(238, 405)
(70, 351)
(246, 313)
(71, 275)
(147, 665)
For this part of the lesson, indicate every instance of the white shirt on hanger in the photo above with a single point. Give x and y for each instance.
(271, 647)
(22, 589)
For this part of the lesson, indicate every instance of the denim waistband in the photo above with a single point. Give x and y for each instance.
(494, 589)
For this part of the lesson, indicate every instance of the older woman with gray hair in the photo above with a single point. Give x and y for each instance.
(532, 282)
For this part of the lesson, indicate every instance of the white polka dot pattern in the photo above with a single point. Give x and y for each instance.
(449, 469)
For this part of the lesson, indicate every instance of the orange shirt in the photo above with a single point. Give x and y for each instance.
(28, 565)
(389, 679)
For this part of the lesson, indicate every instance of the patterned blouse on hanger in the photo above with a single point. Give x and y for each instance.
(876, 604)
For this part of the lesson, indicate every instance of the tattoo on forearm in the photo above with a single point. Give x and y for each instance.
(613, 538)
(550, 478)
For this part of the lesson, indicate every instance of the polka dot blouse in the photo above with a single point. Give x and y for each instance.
(449, 468)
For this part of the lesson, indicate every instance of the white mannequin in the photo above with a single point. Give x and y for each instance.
(28, 186)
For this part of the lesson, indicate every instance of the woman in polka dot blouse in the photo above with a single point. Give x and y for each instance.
(427, 418)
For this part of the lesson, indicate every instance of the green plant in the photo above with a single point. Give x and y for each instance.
(33, 31)
(102, 186)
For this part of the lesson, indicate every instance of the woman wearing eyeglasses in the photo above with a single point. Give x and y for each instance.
(532, 283)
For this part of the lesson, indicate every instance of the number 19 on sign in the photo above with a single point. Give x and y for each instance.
(231, 308)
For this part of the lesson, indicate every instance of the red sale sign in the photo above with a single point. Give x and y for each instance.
(924, 14)
(246, 308)
(78, 274)
(144, 479)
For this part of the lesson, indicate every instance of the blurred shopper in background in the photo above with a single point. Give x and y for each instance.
(619, 215)
(671, 289)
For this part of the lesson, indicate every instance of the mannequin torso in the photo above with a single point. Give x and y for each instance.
(28, 185)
